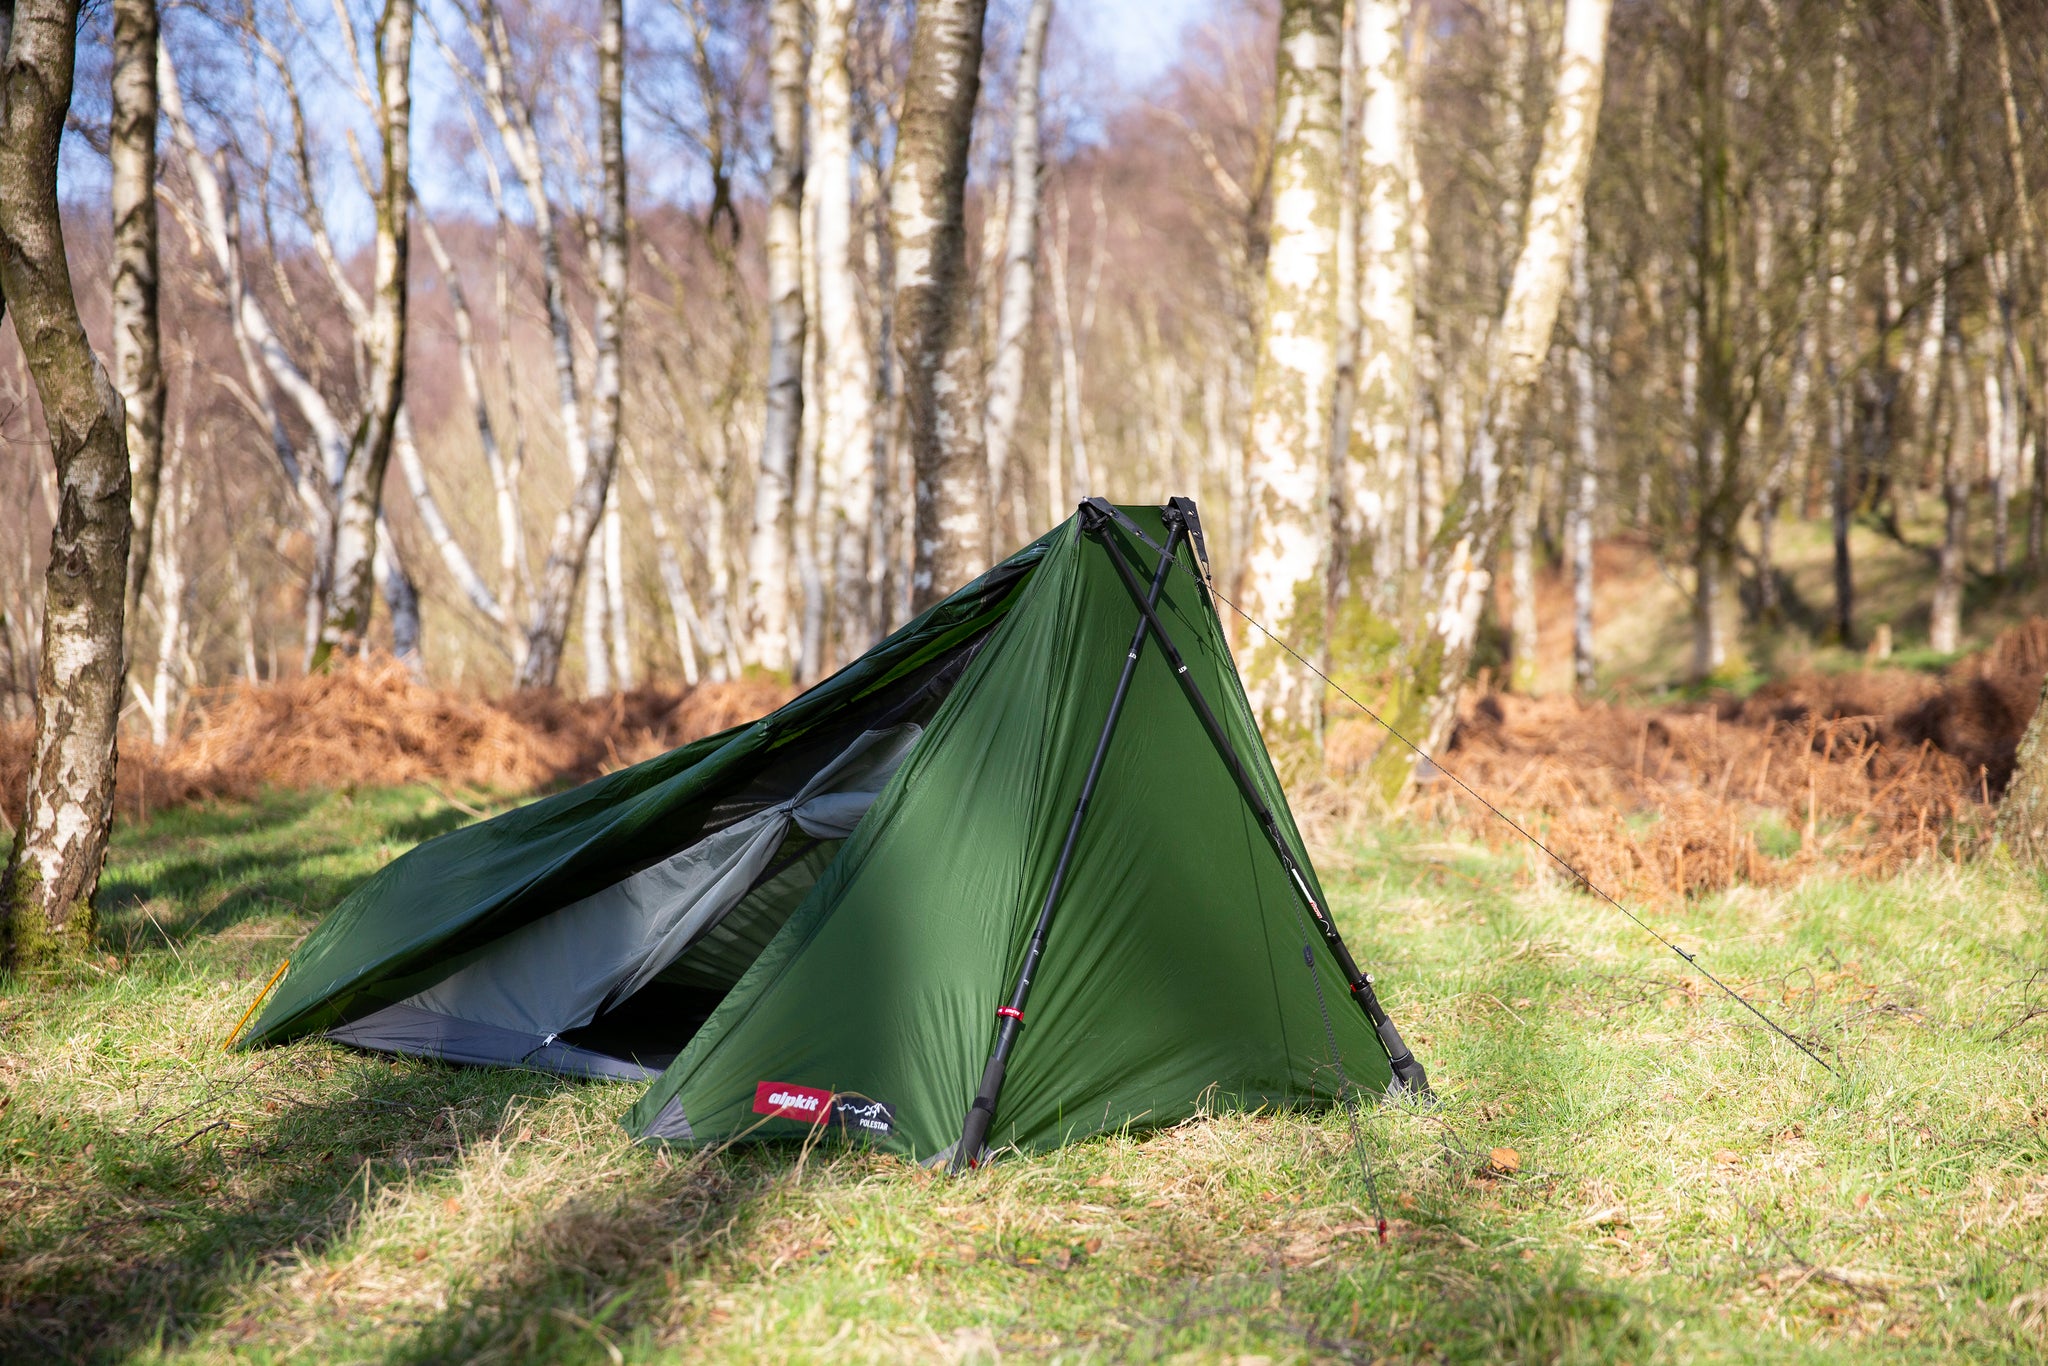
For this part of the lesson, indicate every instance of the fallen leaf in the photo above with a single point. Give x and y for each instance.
(1505, 1161)
(1723, 1157)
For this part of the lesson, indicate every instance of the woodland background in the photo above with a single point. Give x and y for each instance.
(1809, 290)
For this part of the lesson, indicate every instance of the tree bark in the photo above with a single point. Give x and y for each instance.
(615, 619)
(1458, 578)
(1716, 427)
(503, 605)
(1369, 554)
(53, 870)
(173, 589)
(1286, 560)
(674, 584)
(453, 557)
(766, 637)
(1583, 493)
(1020, 265)
(569, 547)
(1945, 616)
(1522, 626)
(941, 364)
(351, 590)
(846, 482)
(1838, 240)
(138, 363)
(2027, 266)
(2023, 810)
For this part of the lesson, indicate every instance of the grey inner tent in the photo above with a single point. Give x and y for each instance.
(570, 992)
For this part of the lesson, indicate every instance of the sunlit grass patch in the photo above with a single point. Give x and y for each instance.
(1623, 1165)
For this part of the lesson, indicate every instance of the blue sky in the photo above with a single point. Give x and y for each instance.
(1139, 37)
(1127, 43)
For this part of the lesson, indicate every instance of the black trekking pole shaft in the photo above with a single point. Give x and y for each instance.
(1408, 1073)
(981, 1114)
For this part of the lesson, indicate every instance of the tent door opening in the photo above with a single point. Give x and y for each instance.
(617, 983)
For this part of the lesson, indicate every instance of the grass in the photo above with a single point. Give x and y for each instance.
(1623, 1166)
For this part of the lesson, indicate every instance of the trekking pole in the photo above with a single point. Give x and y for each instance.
(1409, 1074)
(981, 1114)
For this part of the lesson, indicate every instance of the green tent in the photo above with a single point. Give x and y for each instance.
(1020, 874)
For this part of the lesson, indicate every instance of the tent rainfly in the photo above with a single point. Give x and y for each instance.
(1043, 800)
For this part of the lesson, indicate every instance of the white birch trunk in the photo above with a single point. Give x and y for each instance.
(1296, 377)
(569, 546)
(1522, 628)
(1945, 615)
(767, 642)
(1583, 490)
(503, 605)
(1459, 576)
(138, 364)
(1020, 262)
(941, 362)
(53, 869)
(173, 591)
(453, 557)
(846, 476)
(675, 585)
(351, 582)
(1379, 446)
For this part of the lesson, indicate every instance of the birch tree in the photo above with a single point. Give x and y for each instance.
(1837, 239)
(1020, 263)
(941, 363)
(1386, 277)
(350, 587)
(138, 361)
(1945, 615)
(1582, 491)
(274, 377)
(846, 498)
(1295, 380)
(766, 636)
(1458, 578)
(60, 847)
(569, 547)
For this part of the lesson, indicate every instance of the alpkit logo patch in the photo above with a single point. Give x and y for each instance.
(809, 1105)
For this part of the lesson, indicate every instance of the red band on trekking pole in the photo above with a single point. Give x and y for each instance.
(1012, 1012)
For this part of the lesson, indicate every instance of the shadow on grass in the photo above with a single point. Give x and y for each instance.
(595, 1271)
(127, 1241)
(201, 870)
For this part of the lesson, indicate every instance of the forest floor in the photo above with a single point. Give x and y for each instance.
(1643, 601)
(1623, 1165)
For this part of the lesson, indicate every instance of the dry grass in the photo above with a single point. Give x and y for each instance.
(1864, 772)
(371, 724)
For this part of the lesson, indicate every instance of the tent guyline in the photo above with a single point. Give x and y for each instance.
(1509, 821)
